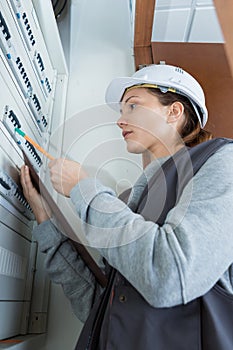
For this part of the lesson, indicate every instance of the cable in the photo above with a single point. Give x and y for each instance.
(55, 4)
(61, 10)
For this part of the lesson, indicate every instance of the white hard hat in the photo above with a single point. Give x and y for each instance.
(166, 78)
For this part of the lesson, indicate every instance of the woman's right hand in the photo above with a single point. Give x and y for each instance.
(39, 207)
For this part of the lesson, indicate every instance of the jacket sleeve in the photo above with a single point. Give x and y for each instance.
(182, 259)
(65, 267)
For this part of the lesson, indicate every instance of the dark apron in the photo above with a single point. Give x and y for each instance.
(123, 320)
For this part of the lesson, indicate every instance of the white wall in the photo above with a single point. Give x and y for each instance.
(100, 49)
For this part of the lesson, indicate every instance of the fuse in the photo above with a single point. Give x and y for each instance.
(36, 102)
(40, 62)
(47, 83)
(13, 194)
(36, 109)
(23, 73)
(26, 30)
(4, 27)
(11, 121)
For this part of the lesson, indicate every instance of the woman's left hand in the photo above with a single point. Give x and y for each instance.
(65, 174)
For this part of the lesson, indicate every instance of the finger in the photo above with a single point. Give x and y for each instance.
(26, 181)
(52, 163)
(22, 176)
(27, 178)
(22, 172)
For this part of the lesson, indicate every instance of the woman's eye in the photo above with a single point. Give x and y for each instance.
(132, 106)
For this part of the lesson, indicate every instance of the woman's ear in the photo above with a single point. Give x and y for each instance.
(176, 112)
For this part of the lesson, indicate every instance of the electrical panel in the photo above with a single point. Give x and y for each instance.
(28, 81)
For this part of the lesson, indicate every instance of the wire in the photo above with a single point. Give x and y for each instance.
(57, 15)
(55, 3)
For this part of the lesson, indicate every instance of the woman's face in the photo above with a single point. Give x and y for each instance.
(144, 122)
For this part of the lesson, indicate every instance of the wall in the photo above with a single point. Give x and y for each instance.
(100, 49)
(179, 35)
(185, 21)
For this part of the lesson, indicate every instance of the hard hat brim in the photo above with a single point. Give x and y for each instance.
(117, 87)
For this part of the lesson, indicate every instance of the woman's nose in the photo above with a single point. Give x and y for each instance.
(121, 122)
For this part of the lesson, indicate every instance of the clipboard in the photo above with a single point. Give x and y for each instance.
(65, 225)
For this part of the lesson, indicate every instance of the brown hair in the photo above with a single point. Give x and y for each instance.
(191, 133)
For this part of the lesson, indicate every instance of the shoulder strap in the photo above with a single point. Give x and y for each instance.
(166, 186)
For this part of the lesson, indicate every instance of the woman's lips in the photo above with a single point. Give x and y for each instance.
(125, 134)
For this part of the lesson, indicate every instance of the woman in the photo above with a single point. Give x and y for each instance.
(157, 271)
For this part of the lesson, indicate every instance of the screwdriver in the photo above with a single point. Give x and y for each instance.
(42, 150)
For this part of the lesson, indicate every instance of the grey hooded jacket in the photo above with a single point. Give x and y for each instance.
(170, 264)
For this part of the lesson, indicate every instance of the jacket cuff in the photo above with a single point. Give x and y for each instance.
(84, 192)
